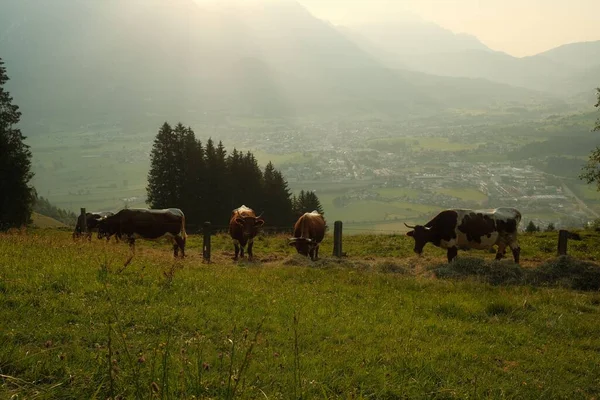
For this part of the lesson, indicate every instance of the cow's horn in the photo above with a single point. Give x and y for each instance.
(408, 226)
(261, 214)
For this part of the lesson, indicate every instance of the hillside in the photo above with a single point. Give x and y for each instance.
(563, 71)
(176, 60)
(376, 326)
(44, 222)
(581, 55)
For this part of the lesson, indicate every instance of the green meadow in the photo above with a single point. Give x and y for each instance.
(379, 323)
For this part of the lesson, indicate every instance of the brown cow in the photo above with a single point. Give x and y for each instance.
(92, 219)
(309, 231)
(243, 227)
(147, 224)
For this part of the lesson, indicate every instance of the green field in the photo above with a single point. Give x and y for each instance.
(403, 144)
(468, 194)
(392, 193)
(377, 325)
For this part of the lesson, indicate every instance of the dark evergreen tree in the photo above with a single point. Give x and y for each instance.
(277, 198)
(217, 187)
(163, 180)
(191, 167)
(550, 227)
(591, 170)
(531, 227)
(307, 201)
(207, 184)
(16, 196)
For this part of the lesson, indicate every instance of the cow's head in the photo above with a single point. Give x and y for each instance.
(250, 225)
(105, 230)
(304, 246)
(422, 236)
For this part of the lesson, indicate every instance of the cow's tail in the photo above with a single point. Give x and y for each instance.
(183, 233)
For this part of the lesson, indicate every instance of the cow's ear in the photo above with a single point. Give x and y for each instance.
(411, 233)
(259, 222)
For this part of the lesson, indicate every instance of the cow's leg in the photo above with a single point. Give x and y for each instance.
(179, 244)
(236, 244)
(316, 253)
(501, 251)
(175, 248)
(516, 250)
(250, 245)
(131, 241)
(452, 252)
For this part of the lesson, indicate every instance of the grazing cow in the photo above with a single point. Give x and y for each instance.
(147, 224)
(309, 231)
(466, 229)
(243, 227)
(92, 220)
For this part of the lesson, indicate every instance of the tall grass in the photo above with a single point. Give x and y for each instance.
(373, 325)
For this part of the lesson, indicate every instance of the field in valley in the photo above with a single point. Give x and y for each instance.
(380, 323)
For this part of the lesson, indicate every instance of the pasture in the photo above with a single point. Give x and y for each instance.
(380, 323)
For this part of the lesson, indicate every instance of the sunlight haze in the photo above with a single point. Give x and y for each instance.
(517, 27)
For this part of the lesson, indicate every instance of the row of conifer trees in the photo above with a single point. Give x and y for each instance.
(207, 183)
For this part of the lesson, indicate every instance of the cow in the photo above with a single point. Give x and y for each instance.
(145, 223)
(92, 219)
(465, 229)
(309, 231)
(243, 227)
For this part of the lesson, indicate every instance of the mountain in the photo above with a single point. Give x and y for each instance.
(77, 62)
(415, 36)
(425, 47)
(580, 55)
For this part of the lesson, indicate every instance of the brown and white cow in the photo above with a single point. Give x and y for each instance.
(309, 232)
(470, 229)
(243, 227)
(145, 223)
(92, 219)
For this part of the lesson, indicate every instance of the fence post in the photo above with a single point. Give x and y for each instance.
(337, 239)
(563, 237)
(206, 242)
(84, 227)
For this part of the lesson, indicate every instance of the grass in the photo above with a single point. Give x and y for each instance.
(468, 194)
(395, 192)
(42, 221)
(377, 324)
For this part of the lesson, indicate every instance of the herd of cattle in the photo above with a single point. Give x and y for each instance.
(451, 230)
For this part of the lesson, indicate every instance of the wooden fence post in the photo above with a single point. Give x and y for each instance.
(206, 242)
(337, 239)
(84, 227)
(563, 237)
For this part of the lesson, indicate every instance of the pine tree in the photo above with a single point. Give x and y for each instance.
(550, 227)
(191, 170)
(277, 198)
(591, 171)
(307, 201)
(531, 227)
(16, 196)
(163, 184)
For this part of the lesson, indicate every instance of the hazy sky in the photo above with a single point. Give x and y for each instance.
(518, 27)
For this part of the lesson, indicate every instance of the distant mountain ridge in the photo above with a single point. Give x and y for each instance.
(133, 60)
(563, 71)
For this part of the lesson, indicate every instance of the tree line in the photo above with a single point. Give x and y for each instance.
(207, 183)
